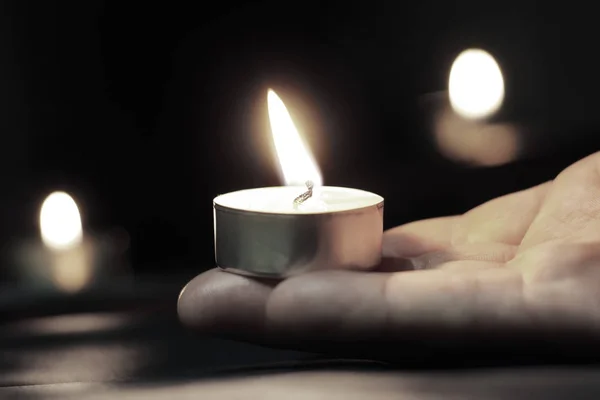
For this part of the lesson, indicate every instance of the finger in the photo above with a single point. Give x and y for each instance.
(399, 315)
(346, 306)
(501, 220)
(487, 255)
(417, 238)
(571, 209)
(234, 305)
(342, 306)
(218, 300)
(427, 244)
(490, 232)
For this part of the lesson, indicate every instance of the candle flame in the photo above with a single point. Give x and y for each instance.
(295, 160)
(60, 222)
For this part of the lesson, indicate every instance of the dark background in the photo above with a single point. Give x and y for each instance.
(146, 111)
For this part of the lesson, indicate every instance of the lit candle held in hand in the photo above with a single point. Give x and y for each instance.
(287, 230)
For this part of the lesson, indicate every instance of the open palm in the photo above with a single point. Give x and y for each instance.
(522, 263)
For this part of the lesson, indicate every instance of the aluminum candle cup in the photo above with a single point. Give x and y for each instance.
(263, 233)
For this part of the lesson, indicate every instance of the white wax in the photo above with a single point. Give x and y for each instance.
(280, 200)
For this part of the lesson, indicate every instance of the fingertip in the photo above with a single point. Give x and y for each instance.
(191, 304)
(419, 237)
(221, 302)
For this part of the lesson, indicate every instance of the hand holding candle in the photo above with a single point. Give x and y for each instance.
(523, 266)
(304, 226)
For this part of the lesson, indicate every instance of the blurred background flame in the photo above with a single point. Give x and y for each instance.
(60, 222)
(476, 84)
(464, 129)
(69, 259)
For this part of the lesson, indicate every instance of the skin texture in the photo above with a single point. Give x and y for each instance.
(525, 266)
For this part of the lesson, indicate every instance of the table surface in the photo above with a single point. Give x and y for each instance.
(145, 353)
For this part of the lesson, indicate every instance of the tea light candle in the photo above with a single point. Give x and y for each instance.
(283, 231)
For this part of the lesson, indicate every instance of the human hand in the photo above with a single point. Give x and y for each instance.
(525, 265)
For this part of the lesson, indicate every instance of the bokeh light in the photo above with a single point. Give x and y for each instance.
(476, 84)
(60, 222)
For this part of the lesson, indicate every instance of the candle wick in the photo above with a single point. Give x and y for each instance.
(306, 195)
